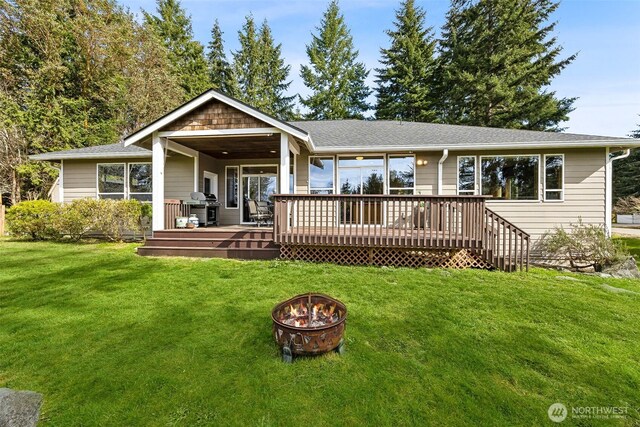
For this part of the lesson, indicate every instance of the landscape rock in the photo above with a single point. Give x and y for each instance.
(627, 269)
(19, 408)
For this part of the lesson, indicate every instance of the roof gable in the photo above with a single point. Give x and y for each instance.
(181, 113)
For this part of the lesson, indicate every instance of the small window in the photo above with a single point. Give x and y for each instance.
(401, 174)
(467, 175)
(231, 187)
(111, 181)
(321, 173)
(510, 177)
(554, 177)
(140, 187)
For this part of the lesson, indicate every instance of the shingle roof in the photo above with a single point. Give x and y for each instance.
(361, 134)
(109, 151)
(365, 135)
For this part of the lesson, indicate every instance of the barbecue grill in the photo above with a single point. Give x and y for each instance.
(205, 206)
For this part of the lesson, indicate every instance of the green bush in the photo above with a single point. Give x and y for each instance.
(113, 219)
(35, 219)
(584, 246)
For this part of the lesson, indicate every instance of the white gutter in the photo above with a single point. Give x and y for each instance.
(445, 154)
(609, 187)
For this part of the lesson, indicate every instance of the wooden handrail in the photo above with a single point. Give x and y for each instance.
(401, 221)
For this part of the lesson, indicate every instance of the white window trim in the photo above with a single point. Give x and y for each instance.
(387, 172)
(335, 167)
(124, 193)
(512, 155)
(475, 190)
(544, 179)
(128, 186)
(226, 199)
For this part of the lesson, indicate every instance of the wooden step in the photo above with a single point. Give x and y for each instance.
(214, 233)
(235, 253)
(244, 243)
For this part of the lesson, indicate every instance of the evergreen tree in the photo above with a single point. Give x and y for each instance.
(497, 59)
(220, 71)
(173, 27)
(260, 71)
(404, 83)
(626, 181)
(336, 80)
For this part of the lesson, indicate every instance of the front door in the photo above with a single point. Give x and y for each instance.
(258, 183)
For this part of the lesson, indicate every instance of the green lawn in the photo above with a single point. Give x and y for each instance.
(111, 338)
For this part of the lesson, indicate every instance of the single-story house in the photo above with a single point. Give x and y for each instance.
(355, 191)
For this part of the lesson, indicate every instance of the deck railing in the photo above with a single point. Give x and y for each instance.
(400, 221)
(173, 209)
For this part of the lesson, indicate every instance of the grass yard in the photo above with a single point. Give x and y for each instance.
(111, 338)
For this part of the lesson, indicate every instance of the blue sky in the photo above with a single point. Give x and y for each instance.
(605, 33)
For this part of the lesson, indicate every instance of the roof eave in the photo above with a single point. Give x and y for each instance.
(88, 156)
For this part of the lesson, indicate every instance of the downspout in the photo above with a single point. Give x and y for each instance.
(445, 154)
(609, 187)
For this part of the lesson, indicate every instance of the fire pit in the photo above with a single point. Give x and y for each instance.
(309, 324)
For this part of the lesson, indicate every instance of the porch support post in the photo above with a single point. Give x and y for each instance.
(284, 163)
(157, 166)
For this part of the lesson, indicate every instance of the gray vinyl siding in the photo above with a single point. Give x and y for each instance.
(584, 191)
(178, 177)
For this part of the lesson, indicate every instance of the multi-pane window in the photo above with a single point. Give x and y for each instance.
(401, 174)
(466, 175)
(510, 177)
(321, 175)
(125, 181)
(111, 180)
(554, 177)
(231, 187)
(140, 187)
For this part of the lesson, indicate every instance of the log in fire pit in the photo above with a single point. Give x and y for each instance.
(309, 324)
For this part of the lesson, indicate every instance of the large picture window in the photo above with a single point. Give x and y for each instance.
(231, 187)
(401, 174)
(321, 175)
(554, 177)
(510, 177)
(140, 181)
(467, 175)
(111, 179)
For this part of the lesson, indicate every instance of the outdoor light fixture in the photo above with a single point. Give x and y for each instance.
(272, 151)
(225, 152)
(359, 158)
(421, 162)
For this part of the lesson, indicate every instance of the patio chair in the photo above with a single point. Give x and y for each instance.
(257, 214)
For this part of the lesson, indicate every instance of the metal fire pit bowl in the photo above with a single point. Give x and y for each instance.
(317, 330)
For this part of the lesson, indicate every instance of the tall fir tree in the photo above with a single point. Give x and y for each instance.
(405, 81)
(173, 26)
(220, 71)
(261, 72)
(626, 181)
(497, 59)
(336, 79)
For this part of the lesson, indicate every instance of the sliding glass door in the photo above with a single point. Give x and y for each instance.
(361, 175)
(258, 183)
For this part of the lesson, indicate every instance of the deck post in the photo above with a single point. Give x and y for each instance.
(285, 164)
(157, 166)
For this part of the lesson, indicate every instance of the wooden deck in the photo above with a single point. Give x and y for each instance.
(408, 230)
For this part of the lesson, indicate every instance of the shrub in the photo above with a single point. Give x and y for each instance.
(584, 246)
(117, 217)
(33, 219)
(78, 218)
(627, 205)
